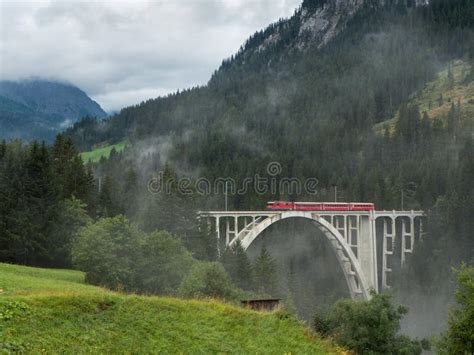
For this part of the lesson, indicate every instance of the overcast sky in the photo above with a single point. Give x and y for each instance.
(123, 52)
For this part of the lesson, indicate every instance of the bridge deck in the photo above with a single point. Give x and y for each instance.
(393, 213)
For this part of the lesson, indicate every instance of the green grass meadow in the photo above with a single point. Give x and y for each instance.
(94, 155)
(427, 99)
(53, 311)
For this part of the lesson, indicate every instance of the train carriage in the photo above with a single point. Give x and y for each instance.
(320, 206)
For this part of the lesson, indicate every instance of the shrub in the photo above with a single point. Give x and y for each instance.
(207, 279)
(109, 252)
(367, 327)
(115, 254)
(459, 337)
(164, 263)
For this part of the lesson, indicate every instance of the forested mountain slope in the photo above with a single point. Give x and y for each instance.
(38, 109)
(288, 96)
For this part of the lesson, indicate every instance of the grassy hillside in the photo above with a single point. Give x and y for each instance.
(44, 310)
(460, 89)
(102, 151)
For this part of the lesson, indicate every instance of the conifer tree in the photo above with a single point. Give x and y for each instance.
(131, 194)
(70, 174)
(238, 266)
(452, 119)
(41, 195)
(109, 198)
(13, 205)
(203, 242)
(450, 78)
(425, 126)
(265, 272)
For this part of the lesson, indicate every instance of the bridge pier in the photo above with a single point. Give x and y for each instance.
(218, 235)
(389, 234)
(408, 237)
(367, 249)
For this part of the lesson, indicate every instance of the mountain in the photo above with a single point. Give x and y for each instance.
(349, 92)
(38, 109)
(315, 92)
(314, 83)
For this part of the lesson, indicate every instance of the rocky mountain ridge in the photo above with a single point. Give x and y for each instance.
(319, 21)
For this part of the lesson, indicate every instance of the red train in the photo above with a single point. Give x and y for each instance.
(319, 206)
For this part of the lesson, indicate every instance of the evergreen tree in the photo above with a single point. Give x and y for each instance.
(71, 176)
(265, 272)
(238, 266)
(70, 218)
(450, 78)
(3, 148)
(425, 127)
(13, 204)
(169, 208)
(203, 243)
(452, 119)
(42, 197)
(130, 195)
(109, 198)
(440, 100)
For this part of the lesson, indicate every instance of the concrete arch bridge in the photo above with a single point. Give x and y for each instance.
(367, 244)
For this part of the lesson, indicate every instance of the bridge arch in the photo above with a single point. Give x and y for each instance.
(353, 235)
(355, 278)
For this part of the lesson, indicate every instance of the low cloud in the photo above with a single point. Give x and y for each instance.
(122, 53)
